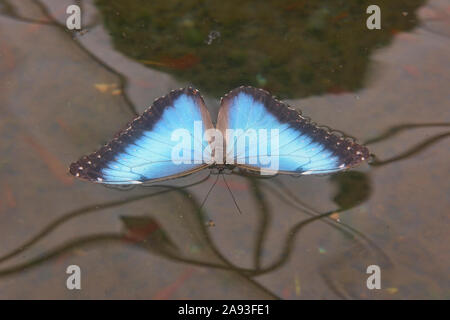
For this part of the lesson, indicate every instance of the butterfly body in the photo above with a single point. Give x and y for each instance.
(176, 137)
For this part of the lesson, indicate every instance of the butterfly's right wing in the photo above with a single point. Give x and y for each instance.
(143, 151)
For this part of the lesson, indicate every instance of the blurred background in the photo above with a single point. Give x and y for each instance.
(65, 93)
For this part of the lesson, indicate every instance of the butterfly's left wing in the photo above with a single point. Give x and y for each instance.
(286, 142)
(142, 152)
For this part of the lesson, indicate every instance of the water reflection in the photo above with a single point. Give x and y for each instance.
(413, 150)
(293, 48)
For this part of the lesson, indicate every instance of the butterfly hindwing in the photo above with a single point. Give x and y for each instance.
(143, 151)
(296, 144)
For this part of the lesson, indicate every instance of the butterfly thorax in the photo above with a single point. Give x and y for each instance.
(222, 168)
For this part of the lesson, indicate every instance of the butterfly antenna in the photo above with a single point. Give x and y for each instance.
(232, 196)
(209, 191)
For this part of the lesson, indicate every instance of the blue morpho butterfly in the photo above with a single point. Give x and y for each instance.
(149, 149)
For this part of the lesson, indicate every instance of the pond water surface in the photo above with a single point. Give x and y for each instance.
(63, 94)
